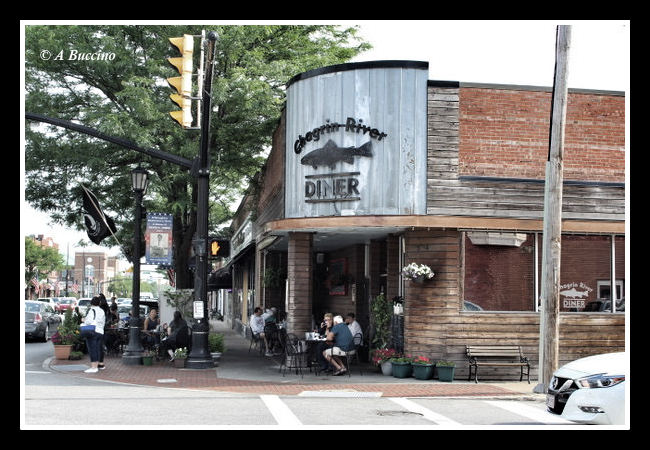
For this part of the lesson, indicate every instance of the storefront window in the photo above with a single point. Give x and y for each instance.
(503, 272)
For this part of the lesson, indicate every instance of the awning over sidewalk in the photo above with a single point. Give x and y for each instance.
(221, 279)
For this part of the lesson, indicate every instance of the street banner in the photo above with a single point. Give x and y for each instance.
(158, 239)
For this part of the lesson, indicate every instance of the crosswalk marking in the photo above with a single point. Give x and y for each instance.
(426, 413)
(280, 411)
(529, 412)
(285, 417)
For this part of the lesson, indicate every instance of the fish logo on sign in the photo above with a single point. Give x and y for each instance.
(331, 153)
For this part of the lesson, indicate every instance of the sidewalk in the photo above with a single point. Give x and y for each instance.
(241, 371)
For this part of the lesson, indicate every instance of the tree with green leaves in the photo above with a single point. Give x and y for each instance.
(41, 260)
(121, 91)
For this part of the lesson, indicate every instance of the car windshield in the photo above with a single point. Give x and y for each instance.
(32, 307)
(65, 302)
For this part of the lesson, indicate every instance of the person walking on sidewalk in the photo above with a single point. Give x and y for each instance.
(95, 316)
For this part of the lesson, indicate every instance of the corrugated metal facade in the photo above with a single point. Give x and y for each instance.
(357, 141)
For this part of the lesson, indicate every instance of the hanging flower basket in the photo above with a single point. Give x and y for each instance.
(417, 272)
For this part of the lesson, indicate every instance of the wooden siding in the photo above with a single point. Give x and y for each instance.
(436, 327)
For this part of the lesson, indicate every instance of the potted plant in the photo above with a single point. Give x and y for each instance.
(147, 357)
(380, 316)
(417, 272)
(446, 370)
(66, 336)
(381, 357)
(180, 355)
(401, 366)
(423, 368)
(216, 346)
(63, 340)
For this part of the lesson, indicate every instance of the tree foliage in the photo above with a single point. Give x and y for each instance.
(127, 96)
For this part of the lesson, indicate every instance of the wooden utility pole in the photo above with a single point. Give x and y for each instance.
(551, 249)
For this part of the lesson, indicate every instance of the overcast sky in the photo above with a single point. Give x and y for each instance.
(501, 52)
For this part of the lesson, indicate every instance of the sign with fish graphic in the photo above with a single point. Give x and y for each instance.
(356, 140)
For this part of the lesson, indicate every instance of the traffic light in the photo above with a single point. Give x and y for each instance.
(183, 84)
(219, 248)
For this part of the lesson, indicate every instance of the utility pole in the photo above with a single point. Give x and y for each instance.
(552, 245)
(199, 357)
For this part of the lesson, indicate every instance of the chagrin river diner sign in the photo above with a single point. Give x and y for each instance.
(356, 140)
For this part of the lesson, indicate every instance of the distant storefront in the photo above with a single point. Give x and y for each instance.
(375, 166)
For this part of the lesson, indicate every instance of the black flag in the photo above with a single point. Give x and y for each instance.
(98, 225)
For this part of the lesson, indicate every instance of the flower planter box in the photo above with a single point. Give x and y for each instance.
(423, 371)
(401, 370)
(179, 363)
(387, 368)
(62, 351)
(147, 360)
(446, 373)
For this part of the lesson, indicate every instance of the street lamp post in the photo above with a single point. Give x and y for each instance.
(133, 352)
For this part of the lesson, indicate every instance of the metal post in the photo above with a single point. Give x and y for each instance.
(133, 353)
(199, 357)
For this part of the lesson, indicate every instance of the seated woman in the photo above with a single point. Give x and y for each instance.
(177, 335)
(150, 336)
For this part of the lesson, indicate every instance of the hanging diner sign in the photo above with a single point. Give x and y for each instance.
(356, 140)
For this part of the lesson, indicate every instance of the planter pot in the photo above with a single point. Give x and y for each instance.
(179, 363)
(62, 351)
(423, 371)
(446, 373)
(147, 360)
(418, 280)
(387, 368)
(401, 370)
(216, 358)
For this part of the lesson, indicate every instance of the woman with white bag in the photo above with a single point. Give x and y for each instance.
(94, 317)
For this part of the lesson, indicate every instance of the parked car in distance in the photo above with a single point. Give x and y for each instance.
(65, 303)
(124, 310)
(590, 390)
(48, 300)
(39, 316)
(83, 304)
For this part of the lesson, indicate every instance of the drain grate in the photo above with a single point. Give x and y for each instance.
(397, 413)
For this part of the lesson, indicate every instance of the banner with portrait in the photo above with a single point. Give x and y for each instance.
(158, 239)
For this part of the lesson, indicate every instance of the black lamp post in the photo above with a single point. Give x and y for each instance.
(133, 352)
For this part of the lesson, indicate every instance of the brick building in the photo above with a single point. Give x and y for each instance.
(374, 166)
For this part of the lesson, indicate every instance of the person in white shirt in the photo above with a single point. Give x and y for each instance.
(354, 326)
(257, 327)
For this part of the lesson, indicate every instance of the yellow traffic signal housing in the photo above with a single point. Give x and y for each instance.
(183, 84)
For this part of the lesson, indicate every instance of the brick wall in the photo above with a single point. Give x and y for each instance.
(505, 133)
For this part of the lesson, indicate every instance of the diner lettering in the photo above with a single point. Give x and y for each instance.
(351, 125)
(334, 187)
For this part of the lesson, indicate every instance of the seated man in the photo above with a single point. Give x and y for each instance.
(257, 327)
(342, 341)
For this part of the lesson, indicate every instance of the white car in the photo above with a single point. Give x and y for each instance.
(590, 390)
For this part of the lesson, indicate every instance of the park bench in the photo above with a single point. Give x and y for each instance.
(496, 355)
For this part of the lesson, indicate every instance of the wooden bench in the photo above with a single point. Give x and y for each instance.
(496, 355)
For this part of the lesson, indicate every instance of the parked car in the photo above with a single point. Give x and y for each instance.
(65, 303)
(39, 317)
(124, 310)
(48, 300)
(83, 304)
(590, 390)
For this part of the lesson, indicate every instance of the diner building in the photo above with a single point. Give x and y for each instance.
(374, 166)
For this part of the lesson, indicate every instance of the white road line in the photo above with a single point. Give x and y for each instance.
(529, 412)
(280, 411)
(426, 413)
